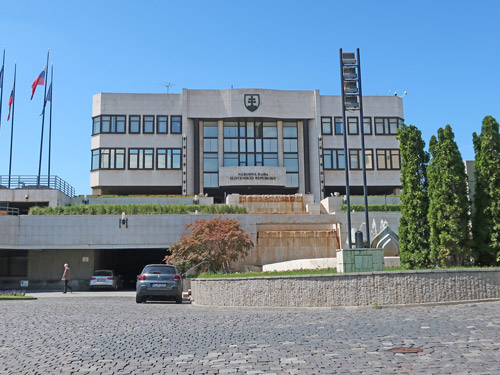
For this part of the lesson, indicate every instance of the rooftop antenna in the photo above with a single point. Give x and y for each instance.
(168, 85)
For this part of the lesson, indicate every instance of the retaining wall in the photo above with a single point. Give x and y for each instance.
(355, 289)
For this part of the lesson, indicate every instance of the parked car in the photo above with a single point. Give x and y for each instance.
(106, 279)
(159, 282)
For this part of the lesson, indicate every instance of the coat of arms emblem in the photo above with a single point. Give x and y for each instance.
(252, 101)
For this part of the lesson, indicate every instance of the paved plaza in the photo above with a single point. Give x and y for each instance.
(108, 333)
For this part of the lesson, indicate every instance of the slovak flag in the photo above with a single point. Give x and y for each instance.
(39, 81)
(11, 100)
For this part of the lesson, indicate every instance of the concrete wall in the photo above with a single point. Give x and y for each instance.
(359, 289)
(52, 197)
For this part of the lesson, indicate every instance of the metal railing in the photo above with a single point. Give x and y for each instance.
(31, 182)
(6, 210)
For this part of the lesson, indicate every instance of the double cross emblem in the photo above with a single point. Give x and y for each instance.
(252, 101)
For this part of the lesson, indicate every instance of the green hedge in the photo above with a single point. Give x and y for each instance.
(137, 209)
(372, 207)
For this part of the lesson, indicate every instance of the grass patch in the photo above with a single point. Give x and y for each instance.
(272, 273)
(401, 268)
(137, 209)
(14, 294)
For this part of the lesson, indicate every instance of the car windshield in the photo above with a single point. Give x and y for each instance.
(103, 273)
(159, 270)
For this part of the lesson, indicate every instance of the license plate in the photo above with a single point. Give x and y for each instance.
(158, 285)
(101, 280)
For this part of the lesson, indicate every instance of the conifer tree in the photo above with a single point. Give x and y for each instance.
(449, 205)
(486, 216)
(413, 226)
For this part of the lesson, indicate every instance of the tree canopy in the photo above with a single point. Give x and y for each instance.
(449, 204)
(413, 226)
(218, 241)
(486, 215)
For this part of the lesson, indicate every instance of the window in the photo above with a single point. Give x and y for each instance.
(326, 125)
(355, 159)
(108, 158)
(333, 159)
(168, 158)
(140, 158)
(161, 124)
(134, 124)
(176, 124)
(367, 125)
(254, 143)
(388, 159)
(149, 124)
(387, 125)
(108, 124)
(352, 125)
(13, 262)
(339, 126)
(290, 153)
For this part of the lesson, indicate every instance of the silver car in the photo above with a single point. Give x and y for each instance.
(159, 282)
(105, 279)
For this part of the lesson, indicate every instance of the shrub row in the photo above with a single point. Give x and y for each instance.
(372, 207)
(136, 209)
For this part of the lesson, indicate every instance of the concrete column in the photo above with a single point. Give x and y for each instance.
(314, 132)
(220, 142)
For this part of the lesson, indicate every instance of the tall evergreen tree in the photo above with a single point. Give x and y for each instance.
(486, 216)
(449, 205)
(413, 226)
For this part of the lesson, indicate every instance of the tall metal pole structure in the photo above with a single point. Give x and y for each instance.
(12, 126)
(363, 153)
(43, 118)
(50, 119)
(346, 154)
(2, 75)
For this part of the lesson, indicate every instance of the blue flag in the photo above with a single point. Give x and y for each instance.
(48, 98)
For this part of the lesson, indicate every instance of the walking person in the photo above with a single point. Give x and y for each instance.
(66, 277)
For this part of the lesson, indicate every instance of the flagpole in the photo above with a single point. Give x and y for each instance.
(1, 88)
(50, 116)
(43, 119)
(12, 127)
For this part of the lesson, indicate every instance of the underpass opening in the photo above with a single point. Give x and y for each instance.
(128, 262)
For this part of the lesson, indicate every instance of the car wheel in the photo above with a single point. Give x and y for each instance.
(139, 299)
(178, 299)
(116, 287)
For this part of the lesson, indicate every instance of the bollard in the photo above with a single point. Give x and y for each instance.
(358, 239)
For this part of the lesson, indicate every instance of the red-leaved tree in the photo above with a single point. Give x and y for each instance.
(218, 241)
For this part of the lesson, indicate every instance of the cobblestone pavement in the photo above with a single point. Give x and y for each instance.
(106, 334)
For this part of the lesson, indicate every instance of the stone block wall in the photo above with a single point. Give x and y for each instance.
(356, 289)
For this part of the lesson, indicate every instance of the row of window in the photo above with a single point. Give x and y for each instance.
(387, 159)
(383, 125)
(146, 124)
(138, 158)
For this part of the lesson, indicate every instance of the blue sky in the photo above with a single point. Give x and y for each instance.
(445, 54)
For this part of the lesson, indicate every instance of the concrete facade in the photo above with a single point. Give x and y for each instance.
(357, 289)
(197, 108)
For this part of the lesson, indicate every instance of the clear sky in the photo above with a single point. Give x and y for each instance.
(445, 54)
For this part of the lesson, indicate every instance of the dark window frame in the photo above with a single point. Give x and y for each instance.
(158, 124)
(111, 117)
(334, 156)
(143, 149)
(172, 124)
(335, 125)
(171, 149)
(144, 124)
(99, 157)
(371, 125)
(349, 125)
(323, 118)
(367, 154)
(387, 129)
(388, 152)
(130, 124)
